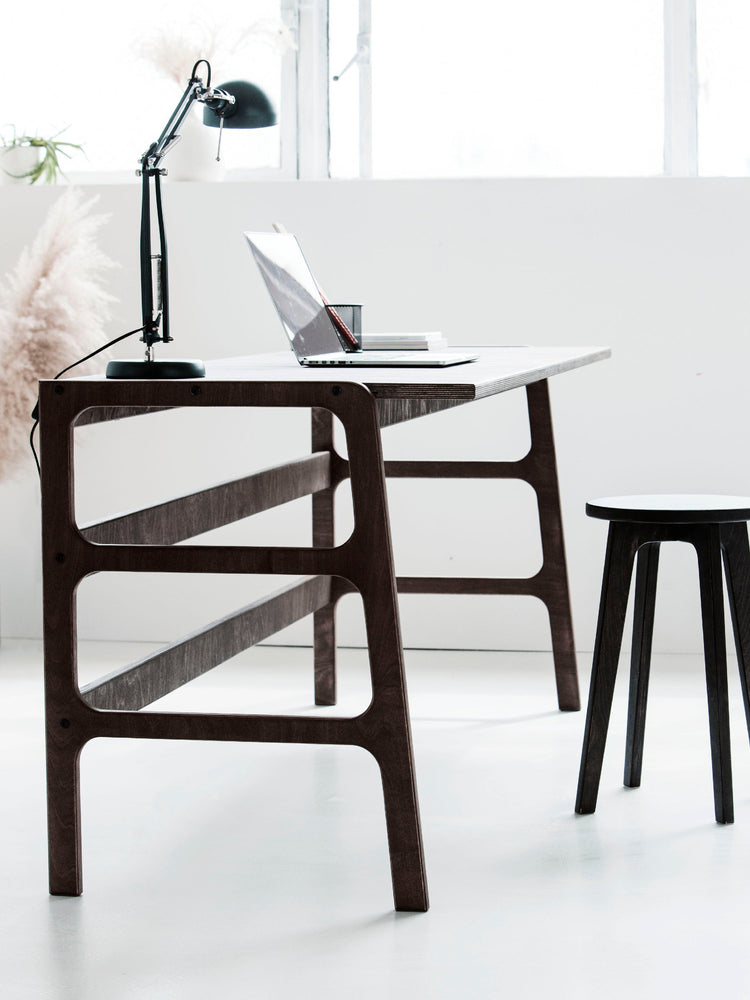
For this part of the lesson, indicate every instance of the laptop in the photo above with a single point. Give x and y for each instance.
(315, 339)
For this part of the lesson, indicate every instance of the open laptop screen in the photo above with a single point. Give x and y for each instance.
(294, 292)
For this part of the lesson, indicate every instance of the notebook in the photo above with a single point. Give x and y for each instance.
(308, 325)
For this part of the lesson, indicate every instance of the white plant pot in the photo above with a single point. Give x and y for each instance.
(194, 156)
(17, 162)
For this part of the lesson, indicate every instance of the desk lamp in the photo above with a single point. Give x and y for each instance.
(237, 104)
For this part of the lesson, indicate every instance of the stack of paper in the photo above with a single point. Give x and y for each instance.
(403, 342)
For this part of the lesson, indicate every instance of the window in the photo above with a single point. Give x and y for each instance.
(104, 72)
(537, 88)
(398, 88)
(723, 28)
(542, 88)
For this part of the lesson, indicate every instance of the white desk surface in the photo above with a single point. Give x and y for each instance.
(498, 369)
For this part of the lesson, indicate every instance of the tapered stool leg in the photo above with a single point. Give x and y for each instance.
(708, 547)
(618, 569)
(640, 660)
(737, 569)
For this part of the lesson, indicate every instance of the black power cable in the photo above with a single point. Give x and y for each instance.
(35, 411)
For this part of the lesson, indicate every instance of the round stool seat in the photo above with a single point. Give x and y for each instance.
(671, 508)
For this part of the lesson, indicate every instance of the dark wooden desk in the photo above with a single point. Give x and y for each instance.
(144, 541)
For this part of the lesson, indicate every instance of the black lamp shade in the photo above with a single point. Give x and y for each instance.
(251, 108)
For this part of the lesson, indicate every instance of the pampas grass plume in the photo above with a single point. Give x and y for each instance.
(52, 312)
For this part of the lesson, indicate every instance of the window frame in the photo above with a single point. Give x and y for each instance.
(680, 88)
(305, 81)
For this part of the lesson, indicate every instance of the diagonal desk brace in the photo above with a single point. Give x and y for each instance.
(550, 584)
(364, 563)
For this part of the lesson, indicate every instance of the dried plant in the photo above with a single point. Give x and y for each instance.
(173, 51)
(52, 310)
(275, 34)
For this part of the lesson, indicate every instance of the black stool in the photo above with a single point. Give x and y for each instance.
(715, 525)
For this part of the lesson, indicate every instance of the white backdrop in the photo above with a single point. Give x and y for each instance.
(656, 269)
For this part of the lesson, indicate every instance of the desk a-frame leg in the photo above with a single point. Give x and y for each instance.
(63, 741)
(550, 585)
(323, 536)
(370, 569)
(364, 562)
(552, 580)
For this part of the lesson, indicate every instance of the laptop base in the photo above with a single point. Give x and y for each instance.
(387, 359)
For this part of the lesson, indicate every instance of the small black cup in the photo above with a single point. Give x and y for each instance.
(347, 321)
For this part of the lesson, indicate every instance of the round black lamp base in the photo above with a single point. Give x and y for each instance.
(156, 369)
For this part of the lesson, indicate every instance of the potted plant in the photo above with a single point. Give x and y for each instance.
(32, 158)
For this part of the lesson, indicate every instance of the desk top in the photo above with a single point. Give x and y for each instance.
(400, 393)
(498, 369)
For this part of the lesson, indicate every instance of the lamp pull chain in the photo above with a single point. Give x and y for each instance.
(218, 148)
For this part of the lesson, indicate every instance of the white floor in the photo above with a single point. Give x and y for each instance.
(248, 871)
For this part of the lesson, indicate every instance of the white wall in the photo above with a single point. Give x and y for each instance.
(657, 269)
